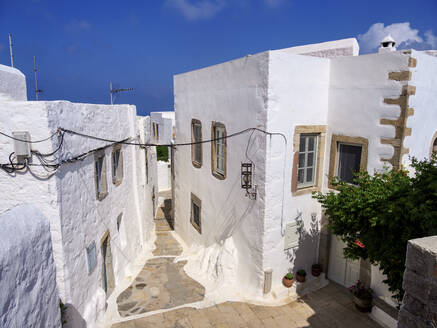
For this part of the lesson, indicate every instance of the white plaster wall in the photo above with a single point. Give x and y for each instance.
(29, 297)
(298, 95)
(330, 49)
(424, 120)
(229, 250)
(12, 84)
(164, 179)
(358, 86)
(85, 219)
(166, 122)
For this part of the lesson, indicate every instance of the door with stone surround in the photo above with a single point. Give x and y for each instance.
(343, 271)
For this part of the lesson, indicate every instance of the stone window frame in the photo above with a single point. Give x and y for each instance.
(320, 131)
(117, 179)
(214, 172)
(433, 147)
(101, 183)
(196, 164)
(196, 201)
(334, 154)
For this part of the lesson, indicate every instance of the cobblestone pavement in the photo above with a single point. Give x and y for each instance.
(162, 283)
(329, 307)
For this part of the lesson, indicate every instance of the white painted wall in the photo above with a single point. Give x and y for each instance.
(298, 95)
(424, 120)
(166, 123)
(337, 48)
(29, 297)
(69, 198)
(164, 175)
(12, 84)
(230, 247)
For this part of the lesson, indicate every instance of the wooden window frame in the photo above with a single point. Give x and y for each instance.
(336, 140)
(195, 200)
(320, 132)
(196, 164)
(218, 175)
(101, 183)
(117, 178)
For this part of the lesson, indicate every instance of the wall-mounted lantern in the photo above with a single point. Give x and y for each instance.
(246, 180)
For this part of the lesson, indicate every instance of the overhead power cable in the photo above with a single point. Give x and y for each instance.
(30, 141)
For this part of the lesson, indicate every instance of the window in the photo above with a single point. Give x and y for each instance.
(349, 160)
(306, 173)
(91, 256)
(348, 156)
(308, 158)
(195, 219)
(121, 231)
(100, 174)
(196, 149)
(218, 150)
(434, 145)
(117, 165)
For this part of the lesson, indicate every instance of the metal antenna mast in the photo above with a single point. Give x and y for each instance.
(10, 50)
(37, 91)
(115, 91)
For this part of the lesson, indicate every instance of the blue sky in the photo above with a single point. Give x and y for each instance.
(83, 45)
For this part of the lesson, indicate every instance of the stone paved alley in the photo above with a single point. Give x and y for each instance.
(163, 284)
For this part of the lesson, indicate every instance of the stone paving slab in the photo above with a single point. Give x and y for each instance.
(166, 245)
(161, 284)
(325, 308)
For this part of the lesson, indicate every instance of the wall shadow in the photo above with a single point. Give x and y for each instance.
(73, 318)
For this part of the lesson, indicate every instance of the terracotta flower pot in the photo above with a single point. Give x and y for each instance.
(363, 304)
(287, 282)
(300, 278)
(316, 270)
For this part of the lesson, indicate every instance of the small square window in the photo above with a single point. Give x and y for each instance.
(196, 206)
(91, 255)
(117, 165)
(349, 161)
(100, 175)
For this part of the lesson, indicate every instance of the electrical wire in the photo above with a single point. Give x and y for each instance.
(30, 141)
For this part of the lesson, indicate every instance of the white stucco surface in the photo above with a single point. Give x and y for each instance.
(77, 217)
(166, 123)
(12, 84)
(338, 48)
(164, 178)
(29, 297)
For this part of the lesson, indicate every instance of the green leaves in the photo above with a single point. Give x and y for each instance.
(383, 212)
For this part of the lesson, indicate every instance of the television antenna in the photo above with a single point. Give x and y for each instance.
(115, 91)
(37, 91)
(10, 50)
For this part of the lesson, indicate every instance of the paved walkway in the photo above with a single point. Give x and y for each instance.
(163, 284)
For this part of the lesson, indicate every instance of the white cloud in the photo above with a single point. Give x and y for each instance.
(78, 25)
(402, 33)
(197, 9)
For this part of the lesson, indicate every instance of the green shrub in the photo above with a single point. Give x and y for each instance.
(162, 153)
(379, 214)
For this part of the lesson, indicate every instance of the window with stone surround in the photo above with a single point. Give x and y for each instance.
(348, 156)
(196, 149)
(309, 148)
(117, 165)
(434, 145)
(100, 174)
(195, 217)
(91, 256)
(218, 150)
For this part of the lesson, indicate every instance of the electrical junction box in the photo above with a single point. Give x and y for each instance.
(291, 236)
(22, 145)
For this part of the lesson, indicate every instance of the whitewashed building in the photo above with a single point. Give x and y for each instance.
(330, 110)
(162, 127)
(100, 201)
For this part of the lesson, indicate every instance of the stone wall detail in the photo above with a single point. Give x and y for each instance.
(400, 124)
(419, 306)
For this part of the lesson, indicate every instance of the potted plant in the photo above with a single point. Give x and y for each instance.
(300, 275)
(316, 270)
(288, 280)
(362, 296)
